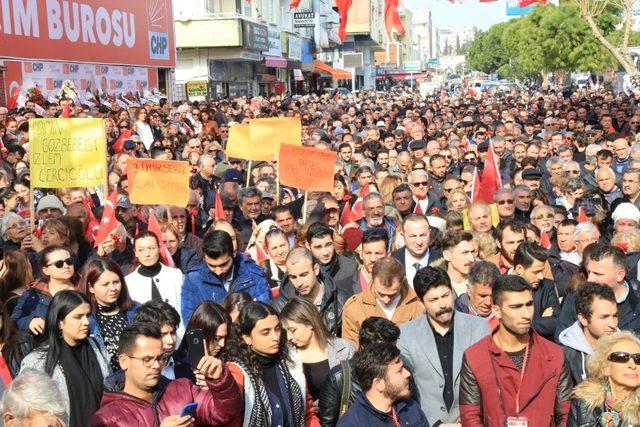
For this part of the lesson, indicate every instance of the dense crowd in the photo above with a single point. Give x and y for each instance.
(401, 298)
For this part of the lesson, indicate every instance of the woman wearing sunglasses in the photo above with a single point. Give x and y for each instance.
(58, 274)
(610, 397)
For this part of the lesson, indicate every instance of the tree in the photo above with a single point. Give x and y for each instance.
(487, 52)
(594, 13)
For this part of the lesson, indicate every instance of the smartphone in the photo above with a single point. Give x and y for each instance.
(189, 409)
(195, 346)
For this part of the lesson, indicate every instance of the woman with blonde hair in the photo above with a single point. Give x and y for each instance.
(458, 200)
(386, 187)
(627, 240)
(610, 397)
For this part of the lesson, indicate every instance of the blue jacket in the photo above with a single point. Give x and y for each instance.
(94, 326)
(201, 285)
(32, 303)
(362, 413)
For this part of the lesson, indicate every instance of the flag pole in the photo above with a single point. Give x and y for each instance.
(304, 206)
(249, 174)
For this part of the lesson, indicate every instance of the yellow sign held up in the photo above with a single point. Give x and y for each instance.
(238, 144)
(158, 182)
(261, 138)
(67, 152)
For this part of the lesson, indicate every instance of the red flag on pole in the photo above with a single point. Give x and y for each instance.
(93, 226)
(545, 240)
(154, 227)
(347, 215)
(108, 223)
(527, 3)
(490, 181)
(392, 17)
(219, 210)
(294, 4)
(343, 11)
(582, 215)
(357, 210)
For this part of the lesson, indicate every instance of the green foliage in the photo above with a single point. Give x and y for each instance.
(549, 39)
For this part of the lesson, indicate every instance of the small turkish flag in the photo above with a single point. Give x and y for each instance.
(108, 223)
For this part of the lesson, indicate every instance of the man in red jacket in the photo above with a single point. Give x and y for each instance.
(514, 377)
(148, 399)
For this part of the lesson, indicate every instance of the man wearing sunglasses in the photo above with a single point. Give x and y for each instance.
(424, 200)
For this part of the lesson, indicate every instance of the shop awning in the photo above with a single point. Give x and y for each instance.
(322, 68)
(275, 61)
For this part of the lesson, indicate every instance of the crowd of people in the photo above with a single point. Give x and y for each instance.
(401, 298)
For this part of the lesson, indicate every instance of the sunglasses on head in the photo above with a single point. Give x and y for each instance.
(624, 357)
(60, 263)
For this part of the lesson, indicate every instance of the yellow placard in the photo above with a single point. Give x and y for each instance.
(238, 144)
(266, 136)
(158, 182)
(67, 152)
(197, 89)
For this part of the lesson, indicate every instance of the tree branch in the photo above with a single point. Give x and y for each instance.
(628, 8)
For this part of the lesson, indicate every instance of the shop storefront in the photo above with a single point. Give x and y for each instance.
(116, 54)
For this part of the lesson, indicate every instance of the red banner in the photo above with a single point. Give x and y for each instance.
(121, 32)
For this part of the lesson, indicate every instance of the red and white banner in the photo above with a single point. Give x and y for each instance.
(123, 32)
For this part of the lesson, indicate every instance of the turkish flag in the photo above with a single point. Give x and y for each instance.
(343, 11)
(582, 215)
(485, 187)
(357, 210)
(347, 215)
(154, 227)
(294, 4)
(108, 223)
(392, 17)
(219, 210)
(527, 3)
(93, 226)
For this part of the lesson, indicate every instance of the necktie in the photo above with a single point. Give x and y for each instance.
(417, 266)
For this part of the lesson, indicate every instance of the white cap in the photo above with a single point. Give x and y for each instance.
(626, 211)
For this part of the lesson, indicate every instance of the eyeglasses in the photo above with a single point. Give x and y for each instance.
(574, 172)
(420, 184)
(547, 216)
(61, 262)
(624, 357)
(451, 189)
(148, 361)
(17, 224)
(124, 127)
(505, 202)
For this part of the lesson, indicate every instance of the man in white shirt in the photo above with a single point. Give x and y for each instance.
(416, 253)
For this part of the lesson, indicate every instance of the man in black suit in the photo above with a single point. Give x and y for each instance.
(416, 253)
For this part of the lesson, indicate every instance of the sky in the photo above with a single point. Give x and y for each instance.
(470, 12)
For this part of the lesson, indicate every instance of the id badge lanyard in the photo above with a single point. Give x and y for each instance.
(524, 365)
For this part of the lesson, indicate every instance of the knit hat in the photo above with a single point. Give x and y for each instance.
(50, 202)
(626, 211)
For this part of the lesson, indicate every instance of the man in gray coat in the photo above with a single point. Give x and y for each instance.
(432, 346)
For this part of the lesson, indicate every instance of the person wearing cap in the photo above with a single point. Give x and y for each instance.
(127, 215)
(417, 149)
(626, 216)
(49, 207)
(268, 202)
(531, 178)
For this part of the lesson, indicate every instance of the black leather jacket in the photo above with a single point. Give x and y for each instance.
(331, 395)
(24, 346)
(581, 416)
(333, 300)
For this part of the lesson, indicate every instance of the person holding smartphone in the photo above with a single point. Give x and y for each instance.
(148, 398)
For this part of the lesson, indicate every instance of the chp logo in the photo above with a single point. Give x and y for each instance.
(158, 45)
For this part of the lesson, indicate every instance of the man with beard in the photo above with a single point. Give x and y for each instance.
(386, 398)
(514, 357)
(374, 217)
(221, 272)
(508, 235)
(432, 345)
(416, 253)
(631, 186)
(306, 280)
(341, 269)
(477, 300)
(460, 251)
(438, 168)
(530, 263)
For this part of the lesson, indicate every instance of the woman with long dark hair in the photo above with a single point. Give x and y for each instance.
(58, 274)
(70, 357)
(16, 276)
(112, 309)
(215, 324)
(15, 346)
(273, 383)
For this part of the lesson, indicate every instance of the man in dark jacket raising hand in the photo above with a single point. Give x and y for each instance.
(148, 399)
